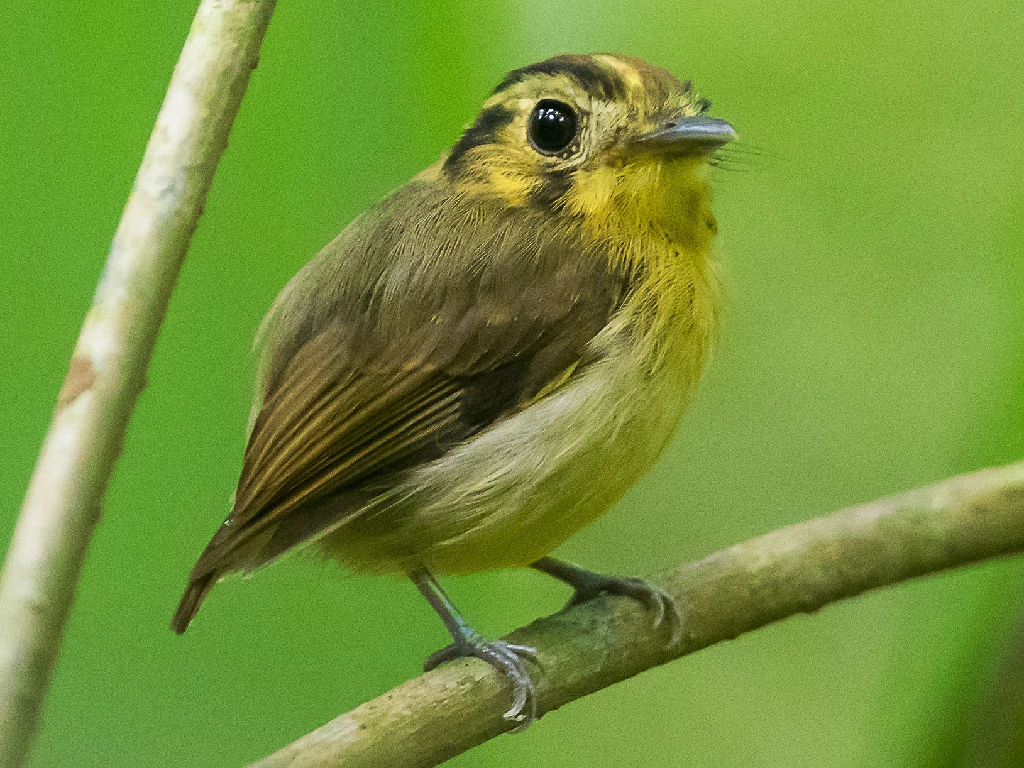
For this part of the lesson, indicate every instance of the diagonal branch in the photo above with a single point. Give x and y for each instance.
(793, 570)
(108, 368)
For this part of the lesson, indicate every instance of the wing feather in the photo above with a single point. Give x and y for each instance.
(354, 397)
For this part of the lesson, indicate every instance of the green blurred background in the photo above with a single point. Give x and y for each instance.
(872, 232)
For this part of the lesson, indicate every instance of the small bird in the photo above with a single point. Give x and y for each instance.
(485, 361)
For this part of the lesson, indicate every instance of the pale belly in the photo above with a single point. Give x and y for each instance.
(516, 491)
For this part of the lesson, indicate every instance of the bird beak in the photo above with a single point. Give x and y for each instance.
(697, 135)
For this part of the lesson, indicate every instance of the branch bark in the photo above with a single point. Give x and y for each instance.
(108, 367)
(792, 570)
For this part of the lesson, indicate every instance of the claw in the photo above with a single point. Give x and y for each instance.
(587, 585)
(508, 658)
(665, 607)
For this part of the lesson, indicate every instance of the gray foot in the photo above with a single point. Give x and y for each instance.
(587, 585)
(505, 657)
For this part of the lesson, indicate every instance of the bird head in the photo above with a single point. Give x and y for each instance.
(610, 139)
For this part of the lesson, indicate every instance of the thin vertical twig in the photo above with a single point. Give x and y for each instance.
(108, 367)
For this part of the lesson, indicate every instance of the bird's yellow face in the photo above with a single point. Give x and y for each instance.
(613, 140)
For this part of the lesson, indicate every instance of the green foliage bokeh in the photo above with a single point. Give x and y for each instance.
(872, 236)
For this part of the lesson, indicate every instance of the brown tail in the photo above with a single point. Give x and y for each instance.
(191, 600)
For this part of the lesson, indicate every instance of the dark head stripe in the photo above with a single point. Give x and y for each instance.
(483, 131)
(597, 80)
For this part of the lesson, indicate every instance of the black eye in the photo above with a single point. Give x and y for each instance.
(552, 126)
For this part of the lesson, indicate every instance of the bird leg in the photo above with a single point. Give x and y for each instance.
(507, 658)
(587, 584)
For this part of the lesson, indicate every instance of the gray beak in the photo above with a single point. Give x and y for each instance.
(699, 135)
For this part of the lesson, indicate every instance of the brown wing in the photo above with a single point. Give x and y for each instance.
(340, 420)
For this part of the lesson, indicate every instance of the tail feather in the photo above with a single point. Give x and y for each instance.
(195, 592)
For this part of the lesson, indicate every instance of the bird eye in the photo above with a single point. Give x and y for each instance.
(552, 126)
